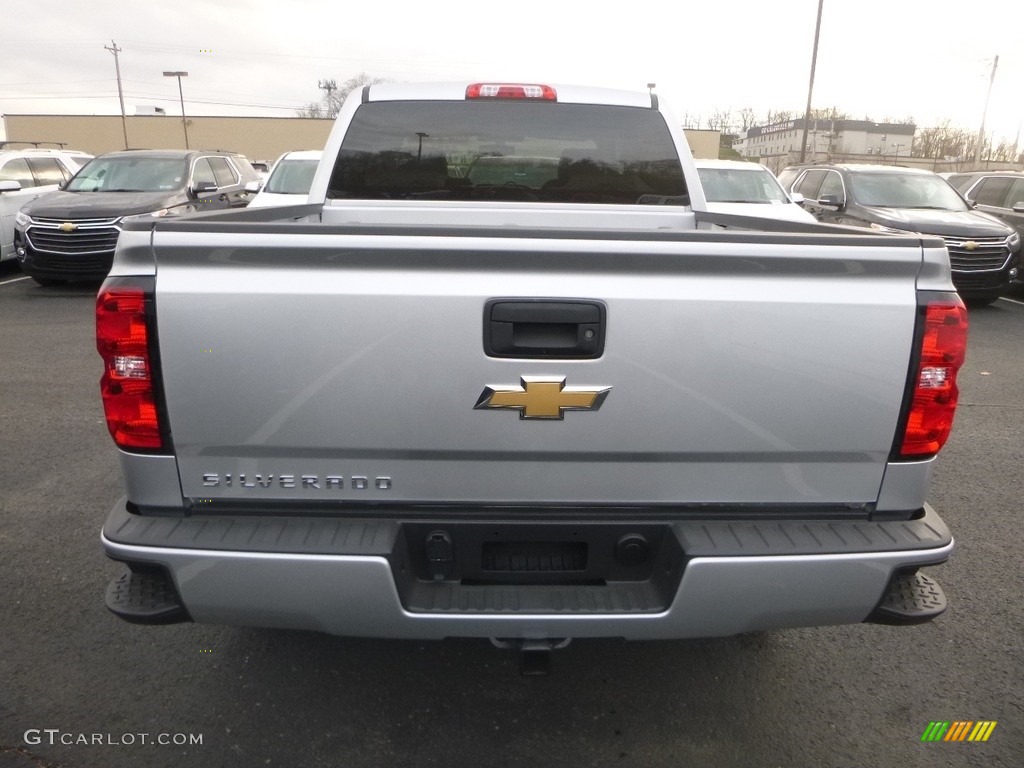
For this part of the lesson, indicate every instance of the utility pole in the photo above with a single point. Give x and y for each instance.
(181, 96)
(120, 94)
(981, 131)
(810, 86)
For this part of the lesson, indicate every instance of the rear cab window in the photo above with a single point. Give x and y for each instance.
(510, 152)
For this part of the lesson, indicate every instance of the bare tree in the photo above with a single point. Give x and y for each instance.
(691, 121)
(719, 120)
(943, 141)
(747, 118)
(889, 120)
(829, 113)
(334, 95)
(778, 116)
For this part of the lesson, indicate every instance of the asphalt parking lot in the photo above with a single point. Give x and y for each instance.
(837, 696)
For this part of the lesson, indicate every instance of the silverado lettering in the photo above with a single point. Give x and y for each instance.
(327, 482)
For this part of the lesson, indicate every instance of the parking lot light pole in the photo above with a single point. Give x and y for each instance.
(184, 124)
(984, 114)
(810, 85)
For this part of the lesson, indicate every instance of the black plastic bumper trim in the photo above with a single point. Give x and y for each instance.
(371, 536)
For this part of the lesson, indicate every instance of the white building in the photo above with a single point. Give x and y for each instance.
(826, 139)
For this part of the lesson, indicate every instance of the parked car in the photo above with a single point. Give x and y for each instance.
(71, 234)
(984, 252)
(747, 189)
(999, 193)
(290, 180)
(25, 174)
(262, 168)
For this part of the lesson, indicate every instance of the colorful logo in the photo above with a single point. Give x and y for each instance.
(958, 730)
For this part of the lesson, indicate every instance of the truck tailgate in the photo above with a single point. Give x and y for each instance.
(738, 368)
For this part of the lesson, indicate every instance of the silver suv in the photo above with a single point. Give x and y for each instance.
(25, 174)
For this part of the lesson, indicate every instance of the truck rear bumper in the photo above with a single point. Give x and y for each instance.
(361, 588)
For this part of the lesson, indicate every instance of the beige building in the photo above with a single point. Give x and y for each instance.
(258, 138)
(704, 144)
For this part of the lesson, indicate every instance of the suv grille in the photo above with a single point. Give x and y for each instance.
(91, 237)
(92, 265)
(989, 255)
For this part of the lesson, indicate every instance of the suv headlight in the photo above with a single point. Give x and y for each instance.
(162, 213)
(893, 230)
(22, 219)
(1013, 241)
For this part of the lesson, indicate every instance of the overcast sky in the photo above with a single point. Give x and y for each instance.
(926, 59)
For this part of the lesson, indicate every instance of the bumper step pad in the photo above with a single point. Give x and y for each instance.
(910, 598)
(146, 597)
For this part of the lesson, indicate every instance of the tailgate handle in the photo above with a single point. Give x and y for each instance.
(544, 328)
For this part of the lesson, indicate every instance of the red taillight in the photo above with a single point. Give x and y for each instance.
(511, 91)
(943, 347)
(122, 338)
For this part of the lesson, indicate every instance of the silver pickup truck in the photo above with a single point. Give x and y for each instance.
(557, 400)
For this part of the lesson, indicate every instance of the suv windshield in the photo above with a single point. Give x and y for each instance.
(515, 152)
(740, 185)
(292, 177)
(904, 190)
(130, 174)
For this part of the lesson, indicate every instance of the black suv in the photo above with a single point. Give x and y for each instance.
(71, 234)
(999, 193)
(984, 253)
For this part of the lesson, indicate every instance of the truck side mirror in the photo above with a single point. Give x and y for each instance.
(253, 186)
(10, 186)
(797, 198)
(1018, 207)
(832, 201)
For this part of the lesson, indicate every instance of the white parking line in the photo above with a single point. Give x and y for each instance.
(15, 280)
(1012, 301)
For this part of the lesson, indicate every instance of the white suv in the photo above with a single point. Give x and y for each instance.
(25, 174)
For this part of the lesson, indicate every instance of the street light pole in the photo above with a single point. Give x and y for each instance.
(981, 131)
(184, 123)
(810, 85)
